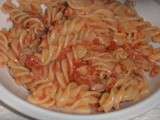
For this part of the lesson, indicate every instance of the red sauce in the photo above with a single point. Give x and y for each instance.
(33, 62)
(154, 71)
(112, 46)
(64, 53)
(111, 85)
(89, 79)
(93, 1)
(96, 41)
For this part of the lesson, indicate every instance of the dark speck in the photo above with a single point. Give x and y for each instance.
(9, 45)
(66, 4)
(46, 30)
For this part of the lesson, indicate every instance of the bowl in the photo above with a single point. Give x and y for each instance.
(14, 96)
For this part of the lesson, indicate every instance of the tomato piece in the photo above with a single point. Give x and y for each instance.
(112, 46)
(64, 53)
(155, 70)
(33, 62)
(90, 78)
(92, 1)
(96, 41)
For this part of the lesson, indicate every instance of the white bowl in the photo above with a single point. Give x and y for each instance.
(14, 96)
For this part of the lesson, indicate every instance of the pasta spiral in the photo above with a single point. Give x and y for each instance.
(23, 18)
(122, 92)
(3, 49)
(73, 97)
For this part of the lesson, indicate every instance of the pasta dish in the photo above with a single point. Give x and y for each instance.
(79, 56)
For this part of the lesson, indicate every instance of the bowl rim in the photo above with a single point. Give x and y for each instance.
(34, 111)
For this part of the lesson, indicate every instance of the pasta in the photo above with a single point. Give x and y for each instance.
(86, 56)
(3, 49)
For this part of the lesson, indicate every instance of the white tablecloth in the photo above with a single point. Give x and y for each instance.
(6, 114)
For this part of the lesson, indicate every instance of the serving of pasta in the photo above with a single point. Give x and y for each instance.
(79, 56)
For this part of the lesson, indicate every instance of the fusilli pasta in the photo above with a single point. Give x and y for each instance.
(85, 56)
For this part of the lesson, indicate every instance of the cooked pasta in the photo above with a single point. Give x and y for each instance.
(86, 56)
(3, 49)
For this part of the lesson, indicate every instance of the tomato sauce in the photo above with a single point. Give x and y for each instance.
(33, 62)
(155, 70)
(89, 79)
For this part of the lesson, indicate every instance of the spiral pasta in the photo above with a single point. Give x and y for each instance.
(23, 18)
(3, 49)
(74, 98)
(122, 92)
(86, 56)
(56, 43)
(19, 72)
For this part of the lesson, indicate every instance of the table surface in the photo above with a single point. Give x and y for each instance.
(6, 114)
